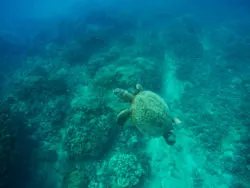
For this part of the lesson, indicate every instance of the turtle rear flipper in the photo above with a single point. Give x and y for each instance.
(123, 116)
(170, 138)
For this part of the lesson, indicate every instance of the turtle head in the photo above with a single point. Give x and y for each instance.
(138, 89)
(123, 94)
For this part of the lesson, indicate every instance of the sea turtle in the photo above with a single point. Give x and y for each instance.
(148, 112)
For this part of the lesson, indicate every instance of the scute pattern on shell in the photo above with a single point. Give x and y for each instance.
(150, 114)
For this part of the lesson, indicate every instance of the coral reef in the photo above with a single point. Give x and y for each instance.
(88, 138)
(58, 112)
(75, 179)
(126, 170)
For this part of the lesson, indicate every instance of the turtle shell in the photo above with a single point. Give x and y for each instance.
(150, 114)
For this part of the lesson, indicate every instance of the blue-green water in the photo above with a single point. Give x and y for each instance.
(60, 63)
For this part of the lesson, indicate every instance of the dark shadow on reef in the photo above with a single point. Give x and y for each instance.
(16, 148)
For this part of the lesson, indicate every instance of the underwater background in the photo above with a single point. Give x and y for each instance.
(60, 62)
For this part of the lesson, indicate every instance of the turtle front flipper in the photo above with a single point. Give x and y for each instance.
(123, 94)
(123, 116)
